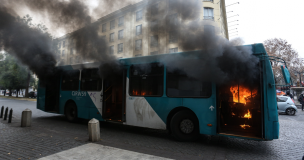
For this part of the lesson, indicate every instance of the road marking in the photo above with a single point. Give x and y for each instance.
(96, 151)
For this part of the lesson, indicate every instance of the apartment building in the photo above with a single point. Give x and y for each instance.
(129, 34)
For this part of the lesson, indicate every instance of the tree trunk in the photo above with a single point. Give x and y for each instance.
(27, 85)
(4, 92)
(10, 93)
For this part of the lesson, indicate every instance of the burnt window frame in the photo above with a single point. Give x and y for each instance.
(167, 70)
(163, 82)
(62, 78)
(81, 89)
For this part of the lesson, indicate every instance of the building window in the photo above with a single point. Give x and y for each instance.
(138, 44)
(62, 52)
(120, 48)
(208, 13)
(139, 30)
(146, 80)
(173, 50)
(104, 27)
(90, 80)
(154, 26)
(59, 45)
(208, 0)
(139, 15)
(172, 37)
(209, 29)
(112, 24)
(154, 53)
(70, 80)
(154, 9)
(120, 34)
(173, 20)
(154, 41)
(112, 50)
(71, 51)
(180, 85)
(112, 37)
(71, 60)
(63, 44)
(121, 21)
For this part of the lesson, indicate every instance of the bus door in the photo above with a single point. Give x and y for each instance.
(48, 94)
(114, 95)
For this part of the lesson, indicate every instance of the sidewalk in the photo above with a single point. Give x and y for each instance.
(19, 98)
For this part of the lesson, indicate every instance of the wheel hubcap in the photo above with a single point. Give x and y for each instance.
(186, 126)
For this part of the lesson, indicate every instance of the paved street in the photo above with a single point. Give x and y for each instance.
(51, 137)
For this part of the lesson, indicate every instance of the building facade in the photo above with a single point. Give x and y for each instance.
(129, 34)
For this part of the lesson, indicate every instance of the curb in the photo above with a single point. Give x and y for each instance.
(19, 98)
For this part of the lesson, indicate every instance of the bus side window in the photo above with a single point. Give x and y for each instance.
(90, 80)
(70, 80)
(146, 80)
(180, 85)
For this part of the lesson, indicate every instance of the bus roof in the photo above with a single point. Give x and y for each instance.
(257, 49)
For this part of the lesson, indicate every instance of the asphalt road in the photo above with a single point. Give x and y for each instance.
(51, 133)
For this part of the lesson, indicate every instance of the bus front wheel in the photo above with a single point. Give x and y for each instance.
(71, 112)
(184, 126)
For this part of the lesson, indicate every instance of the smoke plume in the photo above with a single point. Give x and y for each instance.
(220, 60)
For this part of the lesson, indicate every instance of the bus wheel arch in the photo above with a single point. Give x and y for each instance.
(71, 111)
(179, 116)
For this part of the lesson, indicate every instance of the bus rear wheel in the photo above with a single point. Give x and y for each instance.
(184, 126)
(71, 112)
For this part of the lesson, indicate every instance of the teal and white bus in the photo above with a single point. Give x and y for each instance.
(161, 99)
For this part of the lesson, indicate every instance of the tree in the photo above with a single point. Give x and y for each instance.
(13, 75)
(281, 48)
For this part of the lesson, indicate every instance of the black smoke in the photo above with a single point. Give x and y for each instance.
(220, 61)
(31, 46)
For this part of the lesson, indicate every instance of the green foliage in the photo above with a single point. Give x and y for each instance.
(13, 75)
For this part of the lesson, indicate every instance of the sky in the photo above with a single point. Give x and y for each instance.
(260, 20)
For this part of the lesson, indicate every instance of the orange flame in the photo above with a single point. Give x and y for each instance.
(143, 93)
(242, 94)
(244, 126)
(248, 115)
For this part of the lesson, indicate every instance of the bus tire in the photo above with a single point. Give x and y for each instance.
(71, 112)
(184, 126)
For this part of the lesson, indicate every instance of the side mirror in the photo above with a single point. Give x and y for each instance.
(286, 74)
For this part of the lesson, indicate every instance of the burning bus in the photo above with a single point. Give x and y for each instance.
(159, 92)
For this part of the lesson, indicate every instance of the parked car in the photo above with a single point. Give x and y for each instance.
(32, 94)
(286, 105)
(7, 92)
